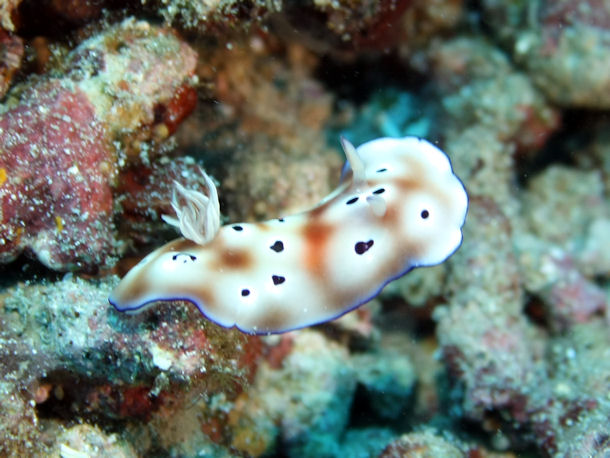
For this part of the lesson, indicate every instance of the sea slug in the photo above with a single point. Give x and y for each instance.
(398, 206)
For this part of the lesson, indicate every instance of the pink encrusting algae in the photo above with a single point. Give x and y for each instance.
(55, 196)
(59, 139)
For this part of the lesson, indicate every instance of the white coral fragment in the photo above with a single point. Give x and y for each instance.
(198, 215)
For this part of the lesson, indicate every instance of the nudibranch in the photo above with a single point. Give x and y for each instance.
(399, 206)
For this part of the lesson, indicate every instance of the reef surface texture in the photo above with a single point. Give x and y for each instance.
(502, 351)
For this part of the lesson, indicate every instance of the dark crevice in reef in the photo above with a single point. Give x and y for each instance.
(23, 269)
(534, 310)
(578, 131)
(357, 81)
(364, 415)
(73, 398)
(52, 19)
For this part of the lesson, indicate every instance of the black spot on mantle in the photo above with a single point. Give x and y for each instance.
(363, 247)
(185, 257)
(277, 246)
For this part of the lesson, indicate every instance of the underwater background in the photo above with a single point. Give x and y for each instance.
(501, 351)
